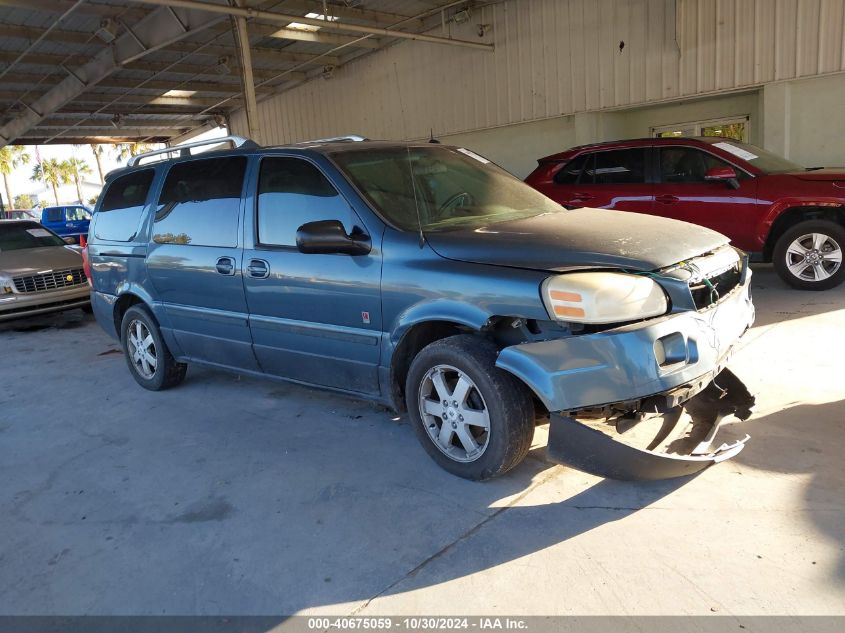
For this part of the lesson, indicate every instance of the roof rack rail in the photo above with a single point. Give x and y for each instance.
(348, 138)
(185, 149)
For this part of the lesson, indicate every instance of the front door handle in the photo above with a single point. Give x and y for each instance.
(226, 266)
(258, 268)
(667, 199)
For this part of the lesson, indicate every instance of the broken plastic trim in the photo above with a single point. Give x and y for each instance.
(579, 446)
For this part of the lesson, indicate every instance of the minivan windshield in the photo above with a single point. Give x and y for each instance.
(436, 188)
(763, 160)
(16, 236)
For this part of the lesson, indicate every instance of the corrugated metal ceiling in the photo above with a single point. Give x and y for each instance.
(179, 67)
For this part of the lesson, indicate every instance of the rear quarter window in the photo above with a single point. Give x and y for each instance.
(122, 208)
(54, 215)
(570, 173)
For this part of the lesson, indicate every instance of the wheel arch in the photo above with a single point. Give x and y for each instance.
(795, 214)
(413, 339)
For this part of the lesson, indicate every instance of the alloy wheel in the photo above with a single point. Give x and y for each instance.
(454, 413)
(142, 349)
(814, 257)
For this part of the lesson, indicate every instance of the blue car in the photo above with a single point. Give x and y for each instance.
(426, 278)
(69, 221)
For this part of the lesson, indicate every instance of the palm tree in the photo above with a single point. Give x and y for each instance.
(75, 169)
(128, 150)
(11, 157)
(99, 150)
(51, 172)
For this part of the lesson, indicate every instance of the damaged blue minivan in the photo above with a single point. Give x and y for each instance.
(428, 279)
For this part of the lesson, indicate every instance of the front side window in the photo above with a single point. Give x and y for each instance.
(122, 207)
(200, 203)
(292, 192)
(75, 214)
(436, 188)
(687, 164)
(23, 235)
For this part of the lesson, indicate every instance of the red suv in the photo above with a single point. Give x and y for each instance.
(767, 205)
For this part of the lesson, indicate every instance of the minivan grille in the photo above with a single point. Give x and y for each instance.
(720, 285)
(54, 280)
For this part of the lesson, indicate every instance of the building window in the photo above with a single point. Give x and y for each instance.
(737, 128)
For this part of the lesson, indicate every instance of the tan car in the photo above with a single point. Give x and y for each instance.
(39, 273)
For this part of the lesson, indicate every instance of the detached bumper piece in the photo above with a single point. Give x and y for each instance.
(580, 446)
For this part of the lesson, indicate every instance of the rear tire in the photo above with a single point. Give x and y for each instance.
(150, 362)
(474, 419)
(809, 255)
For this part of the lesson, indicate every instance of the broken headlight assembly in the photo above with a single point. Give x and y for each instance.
(602, 297)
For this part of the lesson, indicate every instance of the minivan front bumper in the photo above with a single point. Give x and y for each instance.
(657, 366)
(635, 361)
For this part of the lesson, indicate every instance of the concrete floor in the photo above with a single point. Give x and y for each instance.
(240, 496)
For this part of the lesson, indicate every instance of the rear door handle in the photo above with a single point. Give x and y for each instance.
(580, 197)
(226, 266)
(666, 199)
(258, 268)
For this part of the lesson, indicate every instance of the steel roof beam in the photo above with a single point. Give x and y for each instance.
(286, 18)
(60, 6)
(150, 130)
(31, 80)
(156, 28)
(269, 55)
(101, 139)
(352, 13)
(61, 124)
(332, 39)
(179, 68)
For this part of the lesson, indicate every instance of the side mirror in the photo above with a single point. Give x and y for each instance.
(329, 236)
(726, 175)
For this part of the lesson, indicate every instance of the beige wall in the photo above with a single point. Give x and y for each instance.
(517, 147)
(637, 122)
(560, 57)
(803, 120)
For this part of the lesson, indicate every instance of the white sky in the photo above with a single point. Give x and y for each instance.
(19, 180)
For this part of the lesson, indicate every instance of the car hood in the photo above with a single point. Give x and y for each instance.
(829, 174)
(579, 239)
(27, 261)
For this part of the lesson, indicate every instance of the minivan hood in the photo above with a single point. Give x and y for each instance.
(579, 239)
(27, 261)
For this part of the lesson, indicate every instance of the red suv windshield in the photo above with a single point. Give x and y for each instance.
(757, 156)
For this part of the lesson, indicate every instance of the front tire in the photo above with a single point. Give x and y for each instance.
(809, 255)
(150, 361)
(475, 420)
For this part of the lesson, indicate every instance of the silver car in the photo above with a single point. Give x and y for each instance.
(39, 273)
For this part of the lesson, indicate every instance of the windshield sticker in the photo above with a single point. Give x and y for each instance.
(736, 151)
(38, 232)
(480, 159)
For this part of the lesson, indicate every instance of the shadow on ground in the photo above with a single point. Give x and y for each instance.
(806, 440)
